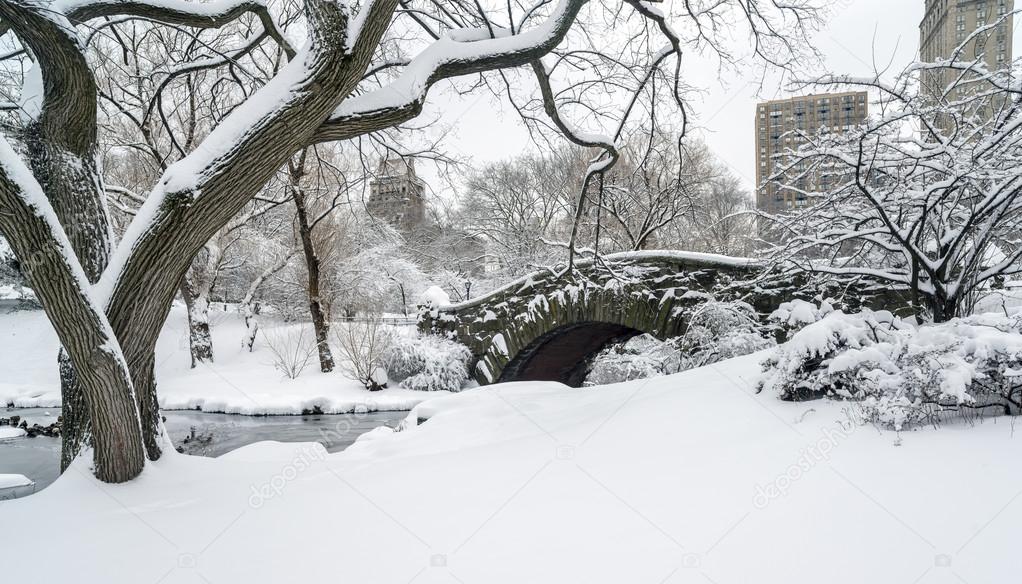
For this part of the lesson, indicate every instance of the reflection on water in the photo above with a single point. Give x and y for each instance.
(196, 433)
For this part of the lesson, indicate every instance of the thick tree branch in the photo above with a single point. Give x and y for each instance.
(60, 283)
(459, 53)
(213, 14)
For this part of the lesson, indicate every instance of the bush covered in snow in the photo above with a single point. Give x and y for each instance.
(364, 344)
(434, 296)
(721, 330)
(291, 347)
(639, 357)
(794, 315)
(716, 331)
(427, 363)
(901, 373)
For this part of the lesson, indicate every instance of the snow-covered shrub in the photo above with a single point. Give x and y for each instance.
(721, 330)
(433, 297)
(716, 331)
(292, 348)
(364, 343)
(640, 357)
(902, 374)
(793, 315)
(427, 363)
(799, 369)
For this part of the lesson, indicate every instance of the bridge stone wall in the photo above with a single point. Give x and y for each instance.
(545, 325)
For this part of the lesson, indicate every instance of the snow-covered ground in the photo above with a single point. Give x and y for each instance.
(11, 292)
(238, 382)
(687, 478)
(1007, 300)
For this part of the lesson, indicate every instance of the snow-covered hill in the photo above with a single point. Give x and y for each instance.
(688, 478)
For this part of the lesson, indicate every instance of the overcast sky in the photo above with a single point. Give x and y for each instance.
(858, 35)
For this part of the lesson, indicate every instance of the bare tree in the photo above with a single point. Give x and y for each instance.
(515, 205)
(721, 220)
(664, 193)
(315, 243)
(196, 288)
(926, 197)
(651, 190)
(364, 343)
(291, 347)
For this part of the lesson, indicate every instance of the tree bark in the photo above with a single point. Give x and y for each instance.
(200, 340)
(75, 427)
(250, 311)
(61, 147)
(63, 289)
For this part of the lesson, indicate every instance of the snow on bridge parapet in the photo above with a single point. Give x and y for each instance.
(706, 260)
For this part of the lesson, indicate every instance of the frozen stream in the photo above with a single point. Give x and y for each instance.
(215, 434)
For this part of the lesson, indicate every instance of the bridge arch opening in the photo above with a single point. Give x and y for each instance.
(563, 354)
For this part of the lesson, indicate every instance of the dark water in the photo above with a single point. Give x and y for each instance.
(196, 433)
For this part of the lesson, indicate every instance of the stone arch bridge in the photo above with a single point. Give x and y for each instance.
(546, 326)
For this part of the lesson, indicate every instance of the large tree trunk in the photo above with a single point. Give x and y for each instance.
(320, 320)
(74, 188)
(70, 179)
(63, 289)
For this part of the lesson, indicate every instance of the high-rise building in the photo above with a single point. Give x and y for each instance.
(397, 195)
(781, 125)
(948, 23)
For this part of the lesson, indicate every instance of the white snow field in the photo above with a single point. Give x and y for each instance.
(238, 382)
(687, 478)
(7, 432)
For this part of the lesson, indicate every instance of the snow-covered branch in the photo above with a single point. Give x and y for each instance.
(212, 14)
(458, 53)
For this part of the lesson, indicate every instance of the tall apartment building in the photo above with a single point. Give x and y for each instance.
(397, 195)
(946, 25)
(778, 124)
